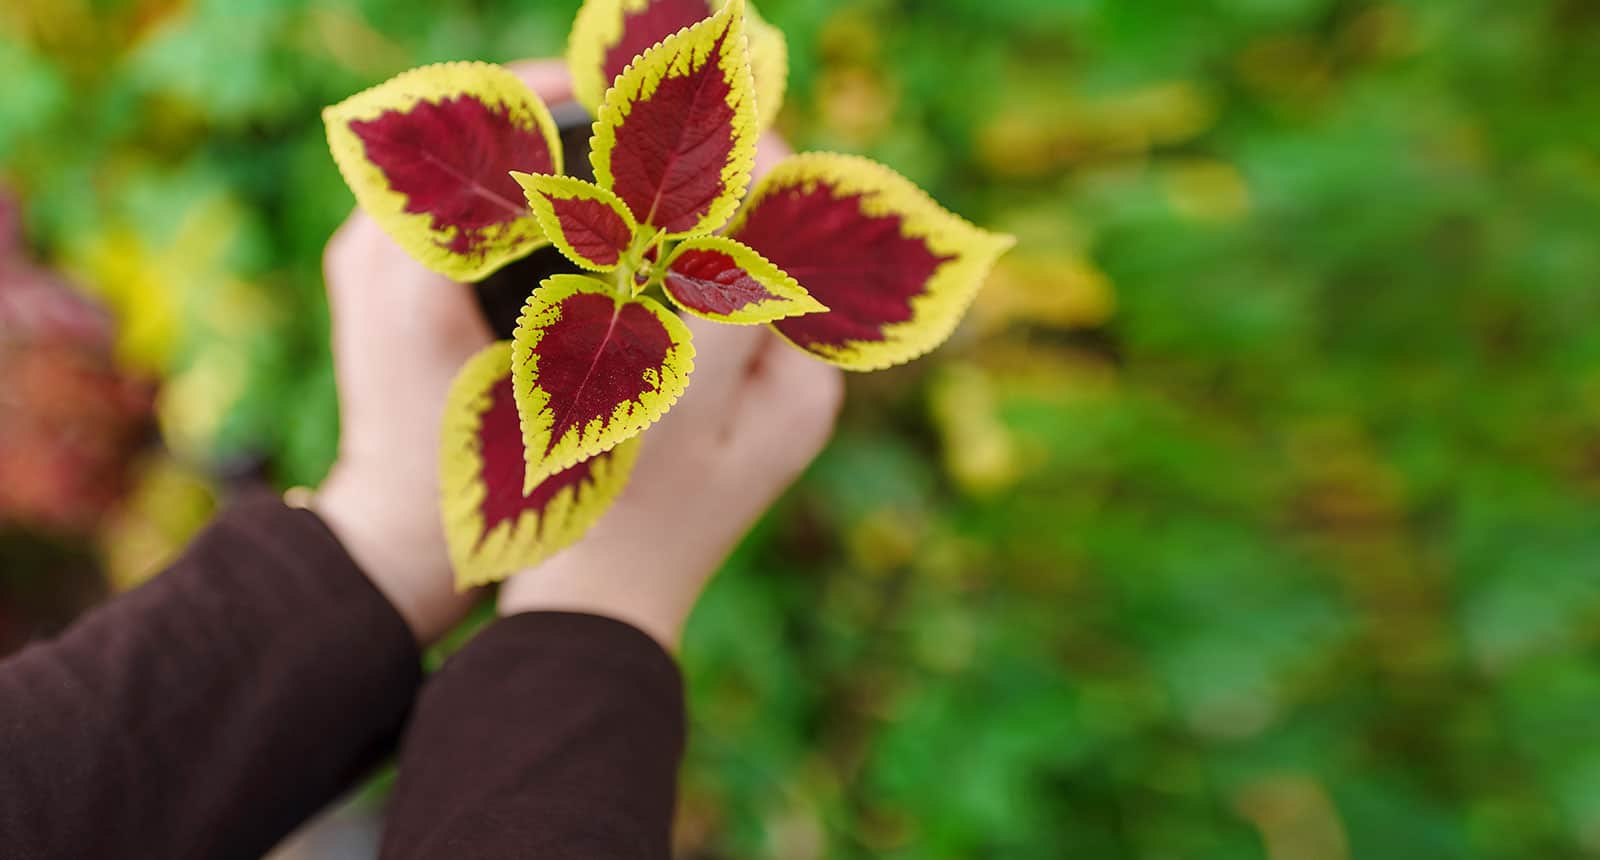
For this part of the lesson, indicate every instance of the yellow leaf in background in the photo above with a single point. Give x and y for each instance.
(193, 402)
(116, 268)
(851, 35)
(1380, 33)
(169, 503)
(1046, 372)
(81, 32)
(1051, 290)
(1295, 816)
(1293, 68)
(856, 105)
(352, 42)
(979, 451)
(1207, 190)
(46, 23)
(1044, 132)
(885, 539)
(152, 284)
(235, 308)
(855, 97)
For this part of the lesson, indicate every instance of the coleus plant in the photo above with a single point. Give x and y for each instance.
(461, 164)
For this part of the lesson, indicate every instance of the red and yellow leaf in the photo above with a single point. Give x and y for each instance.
(608, 34)
(591, 369)
(719, 279)
(676, 136)
(493, 527)
(428, 154)
(589, 224)
(896, 270)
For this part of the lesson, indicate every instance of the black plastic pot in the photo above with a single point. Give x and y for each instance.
(502, 294)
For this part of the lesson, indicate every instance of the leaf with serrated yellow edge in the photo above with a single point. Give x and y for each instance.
(676, 135)
(769, 67)
(588, 223)
(896, 270)
(721, 280)
(428, 154)
(608, 34)
(492, 526)
(591, 369)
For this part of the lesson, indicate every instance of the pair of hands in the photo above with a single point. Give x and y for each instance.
(756, 413)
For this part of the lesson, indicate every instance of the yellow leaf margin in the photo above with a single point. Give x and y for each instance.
(533, 536)
(945, 298)
(495, 86)
(540, 188)
(792, 301)
(627, 420)
(598, 27)
(677, 55)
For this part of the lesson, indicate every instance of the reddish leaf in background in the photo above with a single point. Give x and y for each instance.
(676, 136)
(642, 29)
(71, 421)
(452, 160)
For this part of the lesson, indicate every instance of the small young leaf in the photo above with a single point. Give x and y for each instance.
(588, 223)
(591, 369)
(608, 34)
(719, 279)
(428, 154)
(492, 526)
(895, 269)
(676, 135)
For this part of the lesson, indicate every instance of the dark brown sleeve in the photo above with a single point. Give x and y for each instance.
(552, 735)
(208, 712)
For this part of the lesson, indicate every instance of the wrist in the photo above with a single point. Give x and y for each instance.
(399, 547)
(645, 594)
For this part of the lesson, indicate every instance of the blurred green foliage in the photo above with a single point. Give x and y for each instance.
(1252, 515)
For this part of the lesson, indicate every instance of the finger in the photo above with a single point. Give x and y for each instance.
(548, 78)
(770, 150)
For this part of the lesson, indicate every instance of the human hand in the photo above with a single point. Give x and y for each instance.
(756, 413)
(400, 333)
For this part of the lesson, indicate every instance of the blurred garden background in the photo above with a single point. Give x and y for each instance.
(1252, 514)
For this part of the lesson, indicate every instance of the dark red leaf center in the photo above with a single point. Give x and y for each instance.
(500, 438)
(594, 229)
(595, 357)
(451, 159)
(862, 267)
(672, 147)
(713, 282)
